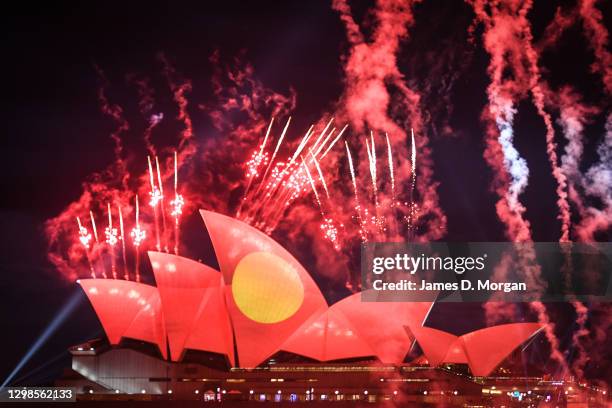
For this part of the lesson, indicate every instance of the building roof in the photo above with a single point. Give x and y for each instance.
(127, 309)
(263, 301)
(192, 301)
(263, 281)
(482, 350)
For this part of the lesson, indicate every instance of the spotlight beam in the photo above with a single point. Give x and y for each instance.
(58, 320)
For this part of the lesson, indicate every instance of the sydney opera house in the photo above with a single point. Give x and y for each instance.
(260, 330)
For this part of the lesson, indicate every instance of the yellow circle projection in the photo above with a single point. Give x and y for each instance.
(266, 288)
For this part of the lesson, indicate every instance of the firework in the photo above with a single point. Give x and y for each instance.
(330, 231)
(283, 181)
(372, 165)
(85, 239)
(301, 146)
(412, 210)
(371, 150)
(84, 235)
(324, 143)
(122, 238)
(413, 153)
(391, 172)
(95, 232)
(155, 195)
(321, 178)
(93, 226)
(278, 144)
(258, 159)
(285, 185)
(177, 206)
(293, 186)
(255, 162)
(111, 240)
(323, 132)
(286, 190)
(138, 235)
(161, 199)
(354, 182)
(334, 142)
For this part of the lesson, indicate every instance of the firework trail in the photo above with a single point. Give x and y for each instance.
(321, 178)
(116, 113)
(259, 158)
(413, 164)
(93, 226)
(559, 24)
(314, 189)
(598, 36)
(301, 146)
(319, 146)
(330, 231)
(371, 150)
(155, 195)
(506, 29)
(391, 172)
(279, 171)
(146, 104)
(180, 88)
(288, 179)
(285, 181)
(326, 140)
(599, 177)
(287, 185)
(85, 239)
(332, 144)
(323, 132)
(362, 230)
(289, 168)
(538, 97)
(122, 239)
(278, 144)
(378, 219)
(138, 236)
(111, 241)
(177, 206)
(95, 232)
(161, 205)
(596, 184)
(573, 116)
(372, 80)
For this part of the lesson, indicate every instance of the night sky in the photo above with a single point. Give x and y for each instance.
(55, 136)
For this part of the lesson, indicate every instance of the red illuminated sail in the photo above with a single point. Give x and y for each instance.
(192, 301)
(127, 309)
(269, 294)
(482, 349)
